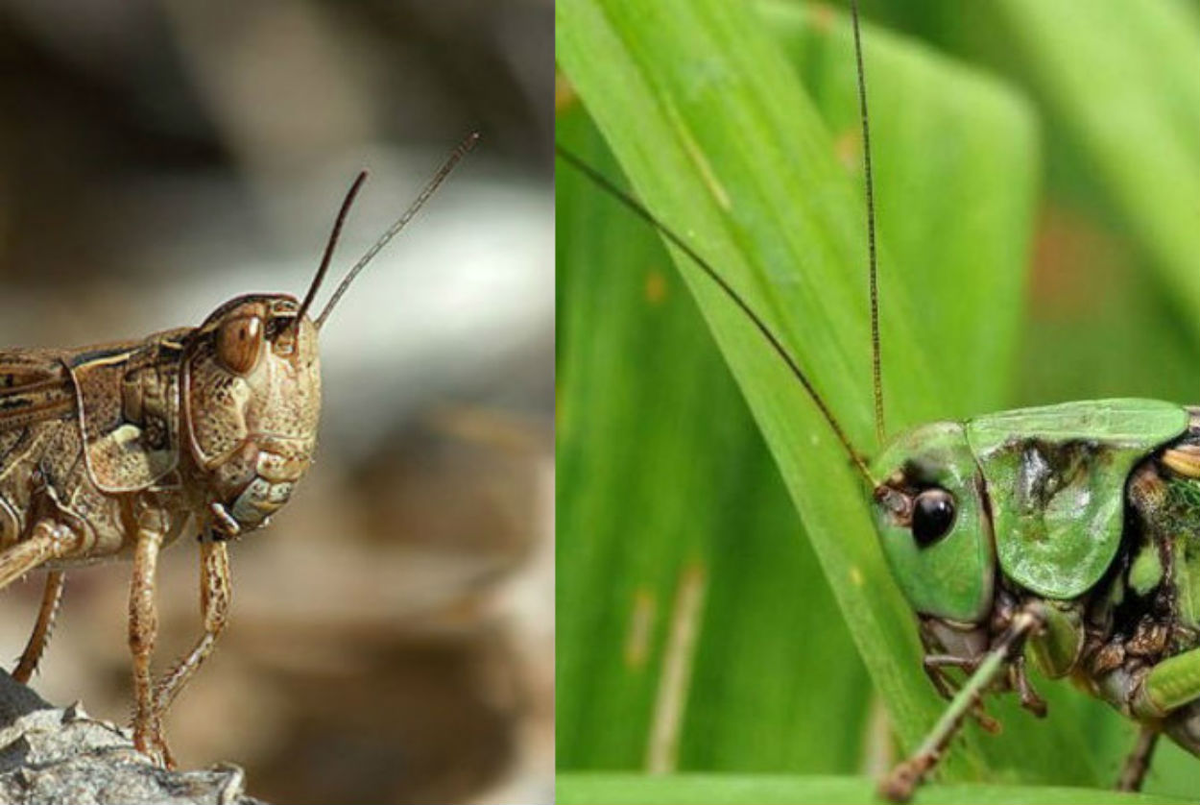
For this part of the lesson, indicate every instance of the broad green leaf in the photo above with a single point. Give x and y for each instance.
(1123, 81)
(1118, 90)
(656, 536)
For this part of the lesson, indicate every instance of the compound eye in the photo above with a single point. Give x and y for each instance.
(239, 342)
(932, 517)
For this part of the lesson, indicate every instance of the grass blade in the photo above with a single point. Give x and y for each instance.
(717, 137)
(615, 789)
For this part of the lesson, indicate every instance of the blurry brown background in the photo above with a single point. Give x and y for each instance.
(392, 631)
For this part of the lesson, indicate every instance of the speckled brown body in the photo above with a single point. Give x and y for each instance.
(115, 450)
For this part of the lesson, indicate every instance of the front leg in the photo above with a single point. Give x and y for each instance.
(935, 665)
(935, 670)
(1019, 680)
(143, 631)
(900, 784)
(215, 591)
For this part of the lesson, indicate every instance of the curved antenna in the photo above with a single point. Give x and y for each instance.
(640, 210)
(876, 360)
(330, 246)
(457, 154)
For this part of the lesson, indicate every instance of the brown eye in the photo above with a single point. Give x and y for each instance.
(238, 343)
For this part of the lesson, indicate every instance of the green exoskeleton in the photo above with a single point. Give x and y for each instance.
(1068, 534)
(113, 451)
(1067, 537)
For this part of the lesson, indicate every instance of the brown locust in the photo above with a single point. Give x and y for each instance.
(113, 451)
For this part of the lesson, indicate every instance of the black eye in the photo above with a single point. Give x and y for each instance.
(932, 517)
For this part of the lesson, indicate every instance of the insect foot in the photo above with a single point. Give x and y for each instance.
(149, 740)
(900, 783)
(57, 754)
(995, 666)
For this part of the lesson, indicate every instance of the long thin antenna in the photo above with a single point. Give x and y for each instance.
(640, 210)
(876, 360)
(457, 154)
(330, 246)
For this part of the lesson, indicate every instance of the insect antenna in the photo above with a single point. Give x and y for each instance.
(330, 246)
(455, 156)
(642, 212)
(876, 361)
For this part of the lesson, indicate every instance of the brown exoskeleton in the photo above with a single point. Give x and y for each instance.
(108, 452)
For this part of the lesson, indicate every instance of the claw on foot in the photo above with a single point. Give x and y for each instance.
(154, 747)
(1030, 700)
(901, 781)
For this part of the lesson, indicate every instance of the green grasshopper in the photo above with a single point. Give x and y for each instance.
(1066, 536)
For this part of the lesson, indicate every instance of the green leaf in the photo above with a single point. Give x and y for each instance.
(1128, 96)
(628, 789)
(742, 213)
(657, 537)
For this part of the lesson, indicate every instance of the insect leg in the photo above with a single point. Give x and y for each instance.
(48, 540)
(1171, 684)
(1030, 700)
(903, 780)
(935, 665)
(1138, 761)
(214, 607)
(940, 680)
(51, 598)
(143, 630)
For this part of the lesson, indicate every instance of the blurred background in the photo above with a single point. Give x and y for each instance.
(698, 631)
(391, 637)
